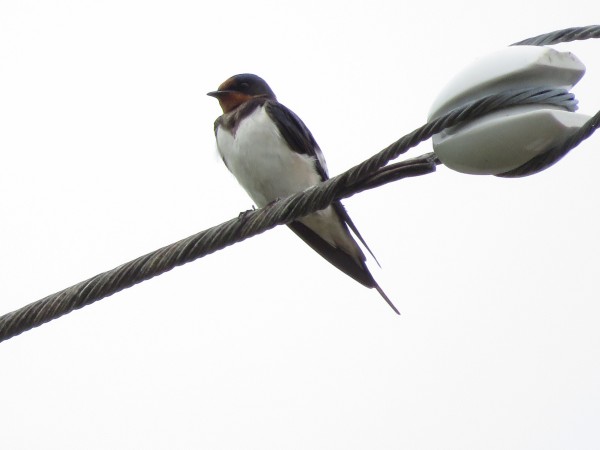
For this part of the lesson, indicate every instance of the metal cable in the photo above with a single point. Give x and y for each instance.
(371, 173)
(555, 154)
(566, 35)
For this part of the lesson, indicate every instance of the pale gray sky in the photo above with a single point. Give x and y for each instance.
(108, 152)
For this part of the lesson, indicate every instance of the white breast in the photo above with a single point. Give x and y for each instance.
(260, 159)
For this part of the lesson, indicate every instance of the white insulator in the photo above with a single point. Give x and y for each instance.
(506, 139)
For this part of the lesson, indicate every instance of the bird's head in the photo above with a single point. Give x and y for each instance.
(239, 89)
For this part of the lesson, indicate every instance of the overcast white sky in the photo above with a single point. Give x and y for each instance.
(108, 152)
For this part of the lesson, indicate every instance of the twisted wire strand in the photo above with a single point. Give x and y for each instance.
(555, 154)
(566, 35)
(371, 173)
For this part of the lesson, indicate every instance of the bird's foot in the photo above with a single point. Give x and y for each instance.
(243, 214)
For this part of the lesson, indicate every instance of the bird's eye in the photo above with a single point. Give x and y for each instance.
(244, 85)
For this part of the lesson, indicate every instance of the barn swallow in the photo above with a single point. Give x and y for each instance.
(273, 155)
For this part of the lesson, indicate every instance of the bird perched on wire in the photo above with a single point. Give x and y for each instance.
(273, 155)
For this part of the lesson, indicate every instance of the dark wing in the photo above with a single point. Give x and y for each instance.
(355, 269)
(301, 140)
(297, 135)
